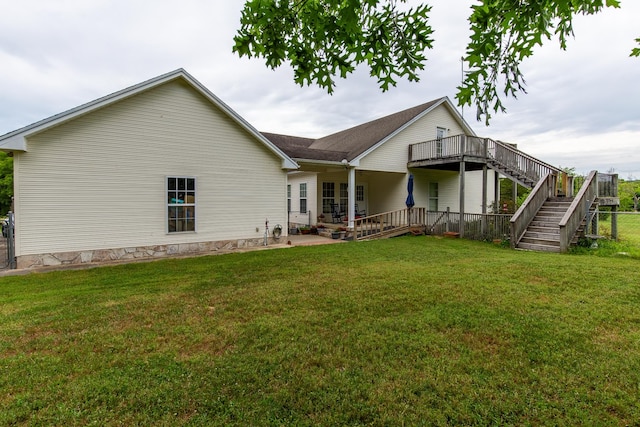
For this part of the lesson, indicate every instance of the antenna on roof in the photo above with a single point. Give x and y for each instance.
(462, 79)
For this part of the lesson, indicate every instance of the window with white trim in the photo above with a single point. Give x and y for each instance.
(440, 134)
(433, 196)
(344, 197)
(359, 193)
(303, 197)
(328, 193)
(181, 204)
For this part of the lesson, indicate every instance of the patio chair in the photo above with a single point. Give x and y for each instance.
(359, 212)
(336, 215)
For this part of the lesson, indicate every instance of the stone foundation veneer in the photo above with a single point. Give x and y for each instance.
(136, 253)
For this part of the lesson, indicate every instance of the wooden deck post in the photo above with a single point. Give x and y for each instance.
(462, 168)
(614, 222)
(484, 197)
(496, 192)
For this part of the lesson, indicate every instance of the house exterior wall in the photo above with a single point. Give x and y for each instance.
(473, 190)
(448, 188)
(296, 217)
(99, 181)
(393, 155)
(388, 190)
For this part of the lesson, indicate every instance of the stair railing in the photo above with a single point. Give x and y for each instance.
(380, 224)
(544, 189)
(519, 162)
(578, 211)
(522, 167)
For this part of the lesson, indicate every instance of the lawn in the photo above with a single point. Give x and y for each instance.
(628, 227)
(406, 331)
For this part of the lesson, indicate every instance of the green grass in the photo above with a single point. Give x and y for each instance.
(407, 331)
(628, 228)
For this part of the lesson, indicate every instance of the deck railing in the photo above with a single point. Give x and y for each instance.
(578, 210)
(387, 223)
(476, 226)
(607, 185)
(436, 149)
(544, 189)
(494, 152)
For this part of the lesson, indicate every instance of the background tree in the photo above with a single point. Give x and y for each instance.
(629, 192)
(6, 182)
(324, 39)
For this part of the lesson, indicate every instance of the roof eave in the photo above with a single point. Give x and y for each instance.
(14, 143)
(320, 162)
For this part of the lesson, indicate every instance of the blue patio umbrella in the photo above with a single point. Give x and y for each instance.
(410, 202)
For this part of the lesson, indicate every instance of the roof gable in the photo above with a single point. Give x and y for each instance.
(354, 143)
(359, 139)
(17, 140)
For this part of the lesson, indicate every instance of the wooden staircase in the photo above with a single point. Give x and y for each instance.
(543, 232)
(512, 173)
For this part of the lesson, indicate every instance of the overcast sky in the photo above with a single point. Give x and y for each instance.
(582, 109)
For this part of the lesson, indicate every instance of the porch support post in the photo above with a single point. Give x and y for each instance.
(496, 191)
(484, 197)
(462, 168)
(352, 196)
(515, 196)
(484, 189)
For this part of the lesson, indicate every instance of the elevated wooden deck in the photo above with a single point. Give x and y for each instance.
(475, 153)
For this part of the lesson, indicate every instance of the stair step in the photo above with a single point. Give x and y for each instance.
(553, 208)
(546, 230)
(547, 212)
(541, 241)
(558, 203)
(545, 222)
(541, 236)
(538, 248)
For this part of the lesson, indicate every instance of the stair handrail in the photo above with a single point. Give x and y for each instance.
(544, 189)
(370, 225)
(578, 210)
(530, 166)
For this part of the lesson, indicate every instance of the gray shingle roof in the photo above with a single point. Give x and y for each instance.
(350, 143)
(299, 148)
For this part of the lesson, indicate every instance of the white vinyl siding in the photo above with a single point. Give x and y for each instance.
(98, 182)
(296, 180)
(393, 155)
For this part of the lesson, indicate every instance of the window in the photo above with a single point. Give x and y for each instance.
(440, 133)
(288, 197)
(181, 204)
(433, 196)
(303, 197)
(328, 194)
(344, 197)
(359, 193)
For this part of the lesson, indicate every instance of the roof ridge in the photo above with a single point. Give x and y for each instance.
(358, 139)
